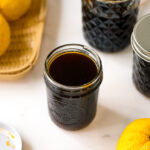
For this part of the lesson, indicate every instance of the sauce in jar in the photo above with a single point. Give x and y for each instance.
(73, 74)
(73, 69)
(108, 24)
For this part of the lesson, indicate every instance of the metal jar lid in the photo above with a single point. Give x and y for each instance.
(140, 39)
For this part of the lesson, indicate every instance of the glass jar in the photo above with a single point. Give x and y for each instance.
(72, 107)
(108, 24)
(140, 41)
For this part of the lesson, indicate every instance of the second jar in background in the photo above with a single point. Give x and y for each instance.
(108, 24)
(140, 42)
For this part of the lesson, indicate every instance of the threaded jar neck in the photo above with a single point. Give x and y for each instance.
(57, 87)
(140, 38)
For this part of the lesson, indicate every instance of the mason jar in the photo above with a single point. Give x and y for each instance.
(108, 24)
(72, 106)
(140, 41)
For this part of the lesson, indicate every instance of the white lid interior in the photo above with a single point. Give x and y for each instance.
(142, 33)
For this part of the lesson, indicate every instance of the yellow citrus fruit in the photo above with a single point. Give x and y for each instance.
(136, 136)
(14, 9)
(4, 35)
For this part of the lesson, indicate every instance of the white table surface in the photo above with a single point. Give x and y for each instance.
(23, 103)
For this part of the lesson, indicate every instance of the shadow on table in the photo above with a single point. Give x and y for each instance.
(26, 146)
(105, 128)
(105, 118)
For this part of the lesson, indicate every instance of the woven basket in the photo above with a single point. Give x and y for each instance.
(25, 44)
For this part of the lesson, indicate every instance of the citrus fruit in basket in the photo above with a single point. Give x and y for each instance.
(136, 136)
(4, 35)
(14, 9)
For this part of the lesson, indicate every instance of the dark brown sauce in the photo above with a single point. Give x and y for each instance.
(73, 109)
(73, 69)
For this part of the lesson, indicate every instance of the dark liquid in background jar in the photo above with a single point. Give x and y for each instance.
(141, 75)
(73, 111)
(108, 26)
(73, 69)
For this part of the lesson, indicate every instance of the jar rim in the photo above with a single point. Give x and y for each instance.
(97, 79)
(113, 1)
(137, 47)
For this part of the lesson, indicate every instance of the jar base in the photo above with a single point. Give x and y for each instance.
(72, 127)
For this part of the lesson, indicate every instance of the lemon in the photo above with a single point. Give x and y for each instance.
(136, 136)
(14, 9)
(4, 35)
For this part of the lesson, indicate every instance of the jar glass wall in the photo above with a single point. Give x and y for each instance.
(72, 107)
(108, 24)
(141, 75)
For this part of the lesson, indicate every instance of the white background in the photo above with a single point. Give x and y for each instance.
(23, 103)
